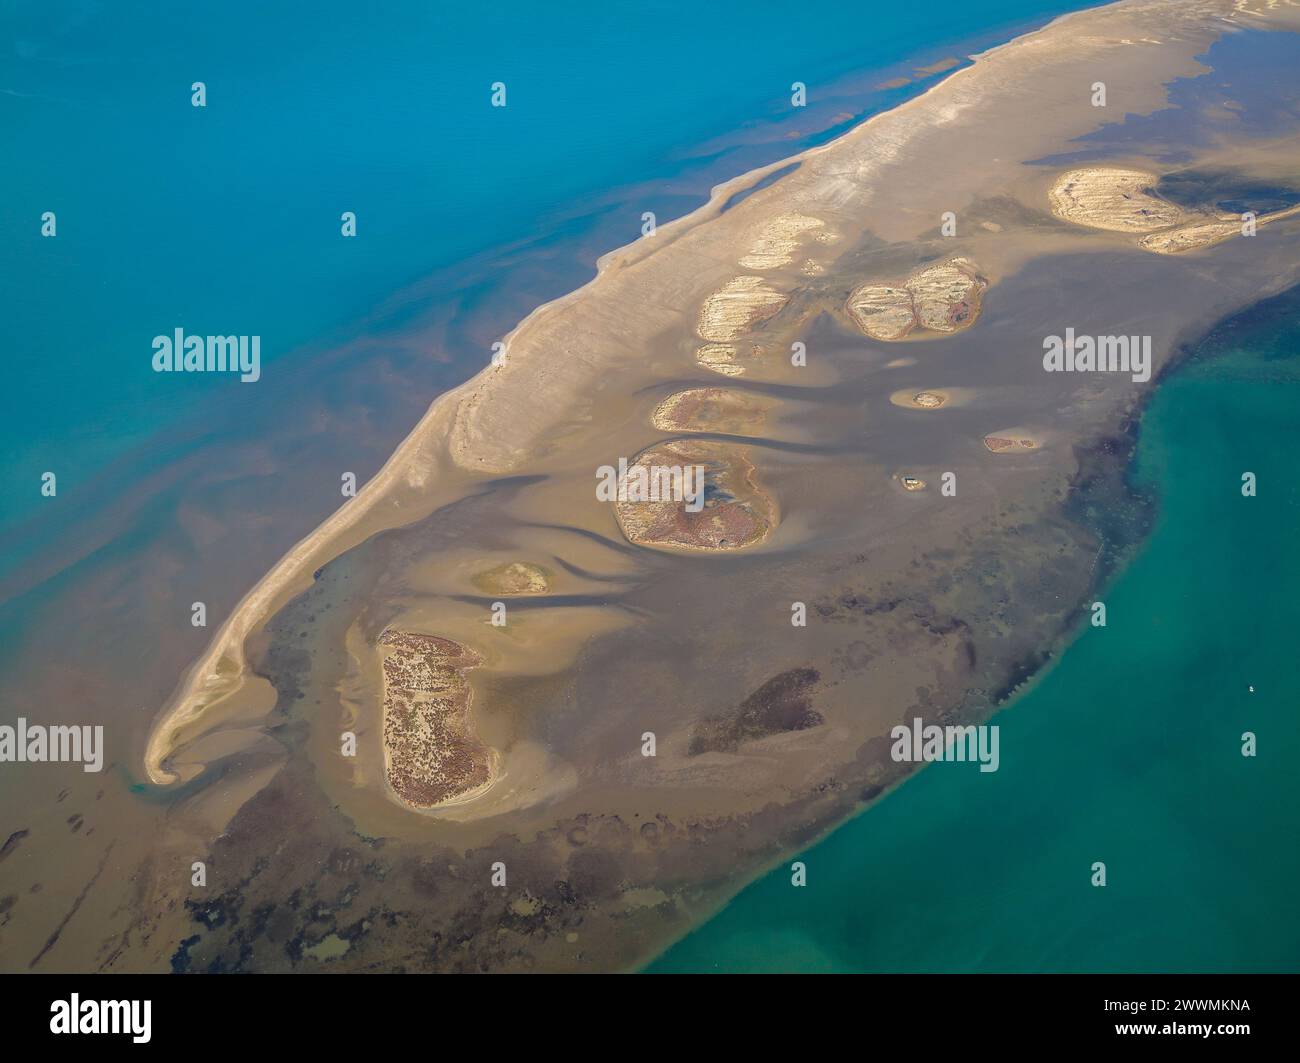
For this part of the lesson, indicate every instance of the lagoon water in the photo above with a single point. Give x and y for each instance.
(1128, 751)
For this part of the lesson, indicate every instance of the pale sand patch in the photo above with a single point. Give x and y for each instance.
(946, 296)
(1015, 440)
(723, 410)
(736, 307)
(513, 578)
(922, 398)
(498, 421)
(1206, 233)
(720, 358)
(1123, 200)
(1114, 199)
(882, 311)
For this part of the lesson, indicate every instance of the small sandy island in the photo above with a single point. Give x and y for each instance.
(723, 410)
(431, 754)
(938, 299)
(1122, 200)
(513, 578)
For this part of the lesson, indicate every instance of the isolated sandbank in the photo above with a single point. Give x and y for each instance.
(937, 299)
(913, 597)
(432, 755)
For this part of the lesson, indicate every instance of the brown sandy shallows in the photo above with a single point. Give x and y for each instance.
(942, 298)
(736, 512)
(723, 410)
(1118, 199)
(431, 755)
(513, 578)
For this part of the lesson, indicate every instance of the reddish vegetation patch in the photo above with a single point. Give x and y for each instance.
(430, 750)
(736, 512)
(1001, 443)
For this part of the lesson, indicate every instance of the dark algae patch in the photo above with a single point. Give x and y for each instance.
(781, 704)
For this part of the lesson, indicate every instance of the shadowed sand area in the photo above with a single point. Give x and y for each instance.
(636, 626)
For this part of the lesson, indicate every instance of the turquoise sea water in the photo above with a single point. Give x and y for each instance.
(225, 219)
(1128, 751)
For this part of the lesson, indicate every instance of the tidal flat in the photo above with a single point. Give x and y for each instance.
(938, 549)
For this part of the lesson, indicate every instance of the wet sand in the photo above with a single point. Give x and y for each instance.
(765, 733)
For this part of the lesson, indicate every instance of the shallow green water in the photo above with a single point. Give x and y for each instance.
(1129, 751)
